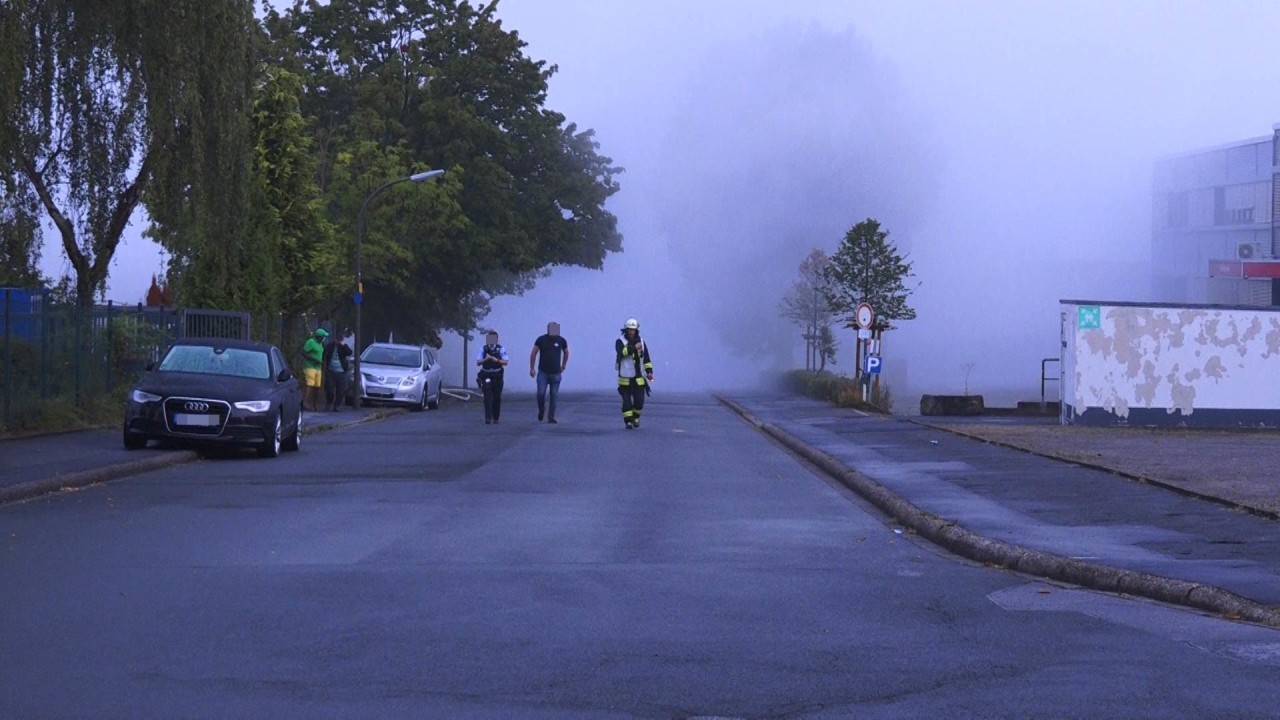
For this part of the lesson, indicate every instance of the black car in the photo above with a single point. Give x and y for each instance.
(213, 391)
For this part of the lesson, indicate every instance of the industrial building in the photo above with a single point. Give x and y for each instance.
(1214, 225)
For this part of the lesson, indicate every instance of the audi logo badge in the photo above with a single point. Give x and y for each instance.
(193, 406)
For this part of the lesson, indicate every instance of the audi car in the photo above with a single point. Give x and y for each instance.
(209, 392)
(400, 374)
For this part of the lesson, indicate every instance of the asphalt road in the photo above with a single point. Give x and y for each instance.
(429, 565)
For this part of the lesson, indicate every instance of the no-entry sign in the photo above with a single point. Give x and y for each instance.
(864, 315)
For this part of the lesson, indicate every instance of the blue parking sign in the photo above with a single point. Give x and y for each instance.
(873, 364)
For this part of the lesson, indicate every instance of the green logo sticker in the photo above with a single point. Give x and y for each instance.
(1089, 317)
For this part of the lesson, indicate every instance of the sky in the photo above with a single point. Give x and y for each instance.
(1007, 147)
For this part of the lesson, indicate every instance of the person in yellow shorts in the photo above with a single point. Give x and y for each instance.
(312, 369)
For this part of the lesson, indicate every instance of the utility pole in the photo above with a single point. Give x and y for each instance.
(813, 333)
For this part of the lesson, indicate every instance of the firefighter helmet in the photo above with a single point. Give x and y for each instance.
(631, 324)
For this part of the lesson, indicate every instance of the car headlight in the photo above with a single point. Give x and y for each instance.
(368, 377)
(142, 396)
(254, 406)
(409, 381)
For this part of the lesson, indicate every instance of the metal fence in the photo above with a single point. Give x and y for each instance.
(62, 353)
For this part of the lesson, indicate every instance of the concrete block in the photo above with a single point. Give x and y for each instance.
(951, 405)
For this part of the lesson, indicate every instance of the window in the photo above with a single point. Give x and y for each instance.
(383, 355)
(1178, 212)
(1234, 204)
(1275, 197)
(206, 360)
(278, 360)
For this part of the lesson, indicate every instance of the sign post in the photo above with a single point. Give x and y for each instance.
(865, 316)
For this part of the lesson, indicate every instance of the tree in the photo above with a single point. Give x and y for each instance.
(415, 269)
(19, 236)
(806, 305)
(105, 100)
(826, 347)
(158, 295)
(867, 268)
(390, 85)
(284, 258)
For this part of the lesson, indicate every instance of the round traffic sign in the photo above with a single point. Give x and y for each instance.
(864, 315)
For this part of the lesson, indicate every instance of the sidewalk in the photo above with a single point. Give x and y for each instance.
(1176, 516)
(35, 465)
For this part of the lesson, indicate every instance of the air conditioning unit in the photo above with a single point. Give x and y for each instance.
(1249, 251)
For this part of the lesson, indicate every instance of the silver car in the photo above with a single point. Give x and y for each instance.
(401, 374)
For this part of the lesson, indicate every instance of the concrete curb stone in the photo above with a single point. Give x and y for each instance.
(953, 537)
(68, 481)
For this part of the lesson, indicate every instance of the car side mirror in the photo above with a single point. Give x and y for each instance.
(151, 366)
(284, 375)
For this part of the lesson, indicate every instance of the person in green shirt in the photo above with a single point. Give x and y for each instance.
(312, 369)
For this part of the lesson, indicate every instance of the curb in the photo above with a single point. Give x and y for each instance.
(69, 481)
(953, 537)
(36, 488)
(32, 434)
(1261, 512)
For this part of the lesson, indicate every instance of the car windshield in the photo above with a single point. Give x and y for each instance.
(205, 360)
(402, 357)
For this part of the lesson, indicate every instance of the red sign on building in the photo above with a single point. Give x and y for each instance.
(1226, 268)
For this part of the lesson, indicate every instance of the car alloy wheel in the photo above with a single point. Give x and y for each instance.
(271, 447)
(294, 443)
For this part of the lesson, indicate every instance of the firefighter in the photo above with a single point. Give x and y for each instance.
(635, 372)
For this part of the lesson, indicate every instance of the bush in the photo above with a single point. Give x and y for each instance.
(33, 414)
(837, 390)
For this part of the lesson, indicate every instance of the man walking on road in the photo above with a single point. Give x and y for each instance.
(552, 354)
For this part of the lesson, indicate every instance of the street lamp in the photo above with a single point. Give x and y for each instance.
(358, 297)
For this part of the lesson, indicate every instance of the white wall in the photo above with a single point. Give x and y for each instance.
(1136, 362)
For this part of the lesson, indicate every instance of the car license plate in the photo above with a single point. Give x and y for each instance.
(201, 420)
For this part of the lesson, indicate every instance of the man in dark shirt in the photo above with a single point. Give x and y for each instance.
(552, 354)
(336, 362)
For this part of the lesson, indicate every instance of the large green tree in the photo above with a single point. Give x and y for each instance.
(108, 100)
(441, 84)
(284, 257)
(868, 268)
(414, 266)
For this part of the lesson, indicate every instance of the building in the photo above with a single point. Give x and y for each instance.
(1214, 228)
(1171, 365)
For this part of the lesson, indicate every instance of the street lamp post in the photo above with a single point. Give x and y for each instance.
(358, 297)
